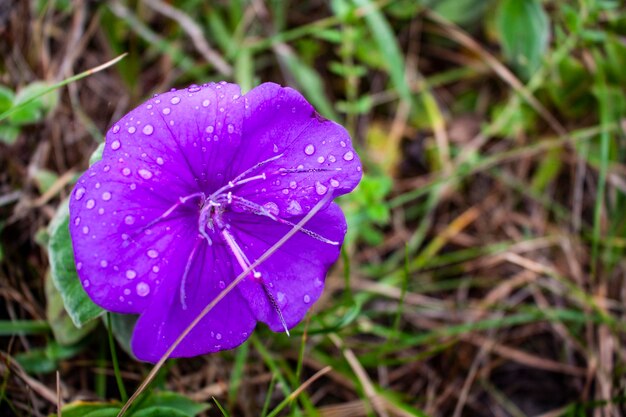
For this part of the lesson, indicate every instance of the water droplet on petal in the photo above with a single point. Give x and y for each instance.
(206, 103)
(307, 298)
(116, 129)
(91, 203)
(77, 221)
(218, 336)
(231, 128)
(129, 219)
(348, 156)
(126, 172)
(145, 174)
(275, 149)
(281, 298)
(343, 144)
(309, 149)
(320, 188)
(130, 274)
(155, 269)
(104, 263)
(159, 160)
(222, 285)
(294, 208)
(221, 109)
(143, 289)
(166, 110)
(115, 145)
(320, 159)
(272, 207)
(79, 266)
(148, 129)
(131, 129)
(126, 291)
(101, 211)
(85, 229)
(106, 196)
(293, 185)
(86, 283)
(153, 253)
(175, 100)
(80, 192)
(334, 183)
(209, 129)
(332, 158)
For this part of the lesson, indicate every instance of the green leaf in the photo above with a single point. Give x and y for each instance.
(461, 12)
(83, 409)
(8, 134)
(122, 327)
(97, 154)
(46, 360)
(524, 29)
(388, 47)
(6, 98)
(159, 412)
(63, 328)
(174, 401)
(78, 305)
(34, 110)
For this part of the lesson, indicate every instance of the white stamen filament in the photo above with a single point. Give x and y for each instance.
(244, 263)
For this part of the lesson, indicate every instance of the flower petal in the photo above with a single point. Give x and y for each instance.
(294, 275)
(316, 154)
(127, 222)
(226, 326)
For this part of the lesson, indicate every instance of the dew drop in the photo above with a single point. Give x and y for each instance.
(221, 109)
(116, 129)
(126, 172)
(294, 208)
(148, 129)
(130, 274)
(285, 191)
(145, 174)
(309, 149)
(106, 196)
(166, 110)
(79, 266)
(271, 207)
(307, 299)
(106, 168)
(77, 221)
(206, 103)
(149, 107)
(133, 186)
(143, 289)
(332, 158)
(293, 185)
(348, 156)
(155, 269)
(343, 144)
(231, 128)
(91, 203)
(129, 219)
(275, 149)
(175, 100)
(153, 253)
(281, 298)
(222, 285)
(79, 193)
(159, 160)
(98, 185)
(320, 188)
(104, 263)
(115, 145)
(126, 291)
(132, 129)
(218, 336)
(101, 211)
(85, 229)
(86, 283)
(209, 129)
(320, 159)
(334, 183)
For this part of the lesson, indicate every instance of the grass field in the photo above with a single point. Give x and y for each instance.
(483, 273)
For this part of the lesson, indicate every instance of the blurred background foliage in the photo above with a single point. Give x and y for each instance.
(483, 272)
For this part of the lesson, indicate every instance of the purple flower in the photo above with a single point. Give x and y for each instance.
(195, 185)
